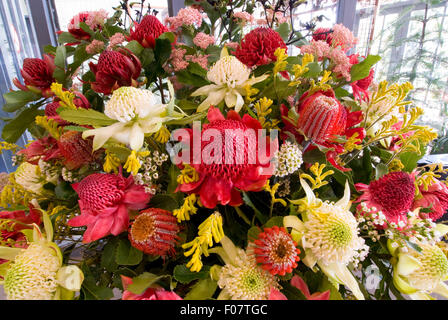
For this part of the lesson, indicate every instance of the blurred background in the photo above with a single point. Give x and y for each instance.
(411, 36)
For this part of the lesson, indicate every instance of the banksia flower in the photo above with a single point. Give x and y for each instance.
(275, 250)
(154, 232)
(75, 150)
(32, 275)
(147, 31)
(321, 118)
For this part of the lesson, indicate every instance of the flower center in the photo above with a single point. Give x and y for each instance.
(253, 282)
(339, 233)
(143, 228)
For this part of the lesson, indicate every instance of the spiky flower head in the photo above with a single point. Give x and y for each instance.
(275, 250)
(129, 102)
(245, 280)
(33, 274)
(229, 71)
(289, 159)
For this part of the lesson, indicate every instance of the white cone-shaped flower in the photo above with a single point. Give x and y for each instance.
(230, 78)
(28, 176)
(241, 278)
(329, 236)
(137, 114)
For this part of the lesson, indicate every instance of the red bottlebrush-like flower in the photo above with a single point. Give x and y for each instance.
(360, 87)
(258, 46)
(115, 69)
(147, 31)
(276, 251)
(75, 150)
(323, 34)
(105, 201)
(37, 75)
(154, 232)
(393, 195)
(220, 176)
(149, 294)
(435, 198)
(321, 119)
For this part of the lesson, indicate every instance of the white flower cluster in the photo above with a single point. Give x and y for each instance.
(289, 159)
(360, 255)
(49, 172)
(368, 219)
(151, 166)
(68, 175)
(284, 188)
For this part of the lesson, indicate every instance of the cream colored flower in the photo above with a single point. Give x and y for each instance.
(136, 113)
(230, 77)
(329, 236)
(29, 177)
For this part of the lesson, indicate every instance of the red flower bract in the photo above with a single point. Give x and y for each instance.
(220, 175)
(147, 31)
(276, 251)
(105, 201)
(115, 69)
(435, 198)
(37, 74)
(258, 46)
(393, 194)
(154, 232)
(323, 34)
(148, 294)
(75, 150)
(360, 87)
(79, 33)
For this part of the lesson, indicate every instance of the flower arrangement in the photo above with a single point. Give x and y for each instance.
(193, 158)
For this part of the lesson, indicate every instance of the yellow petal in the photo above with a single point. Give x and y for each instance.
(407, 264)
(345, 201)
(70, 277)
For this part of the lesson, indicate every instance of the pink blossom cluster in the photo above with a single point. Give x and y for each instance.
(178, 59)
(186, 16)
(200, 59)
(203, 40)
(116, 39)
(232, 45)
(95, 47)
(278, 17)
(244, 17)
(94, 19)
(343, 37)
(321, 49)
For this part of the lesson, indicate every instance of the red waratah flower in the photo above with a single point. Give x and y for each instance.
(105, 201)
(149, 294)
(323, 34)
(37, 75)
(76, 151)
(248, 170)
(321, 119)
(258, 46)
(275, 250)
(147, 31)
(435, 198)
(360, 87)
(115, 69)
(154, 231)
(393, 195)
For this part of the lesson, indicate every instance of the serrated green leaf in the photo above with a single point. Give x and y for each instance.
(14, 100)
(361, 70)
(182, 274)
(85, 117)
(127, 255)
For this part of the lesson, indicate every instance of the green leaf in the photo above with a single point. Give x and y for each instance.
(274, 221)
(380, 170)
(147, 57)
(108, 256)
(66, 37)
(186, 77)
(92, 291)
(144, 281)
(283, 30)
(361, 70)
(187, 105)
(127, 255)
(171, 37)
(253, 233)
(164, 201)
(14, 129)
(314, 70)
(202, 290)
(292, 293)
(196, 69)
(327, 285)
(135, 47)
(162, 50)
(187, 120)
(184, 275)
(85, 117)
(261, 217)
(410, 159)
(17, 99)
(60, 62)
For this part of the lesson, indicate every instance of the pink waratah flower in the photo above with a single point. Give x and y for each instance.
(393, 195)
(116, 40)
(186, 16)
(37, 75)
(343, 37)
(147, 31)
(298, 282)
(221, 178)
(105, 201)
(94, 19)
(95, 47)
(435, 198)
(203, 40)
(149, 294)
